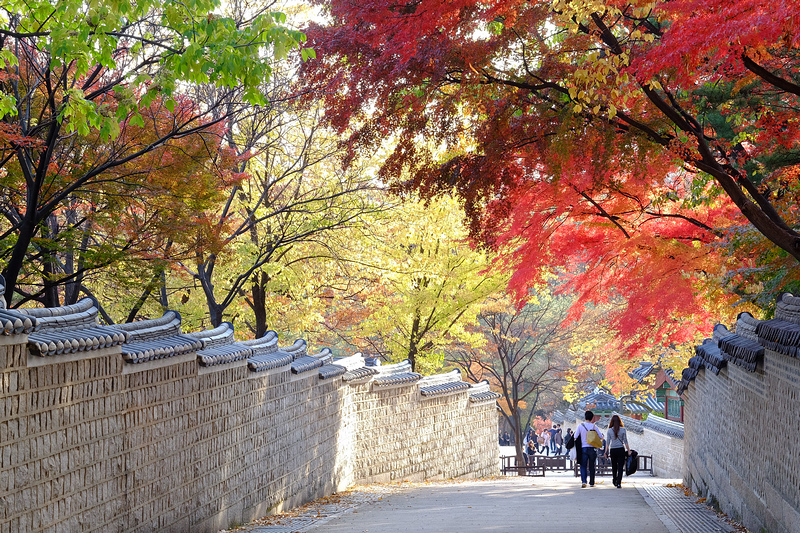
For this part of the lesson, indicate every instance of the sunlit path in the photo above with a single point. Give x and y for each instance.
(506, 504)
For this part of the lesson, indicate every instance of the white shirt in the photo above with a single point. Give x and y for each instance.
(582, 431)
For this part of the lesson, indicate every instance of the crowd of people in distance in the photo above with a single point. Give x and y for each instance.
(547, 442)
(613, 451)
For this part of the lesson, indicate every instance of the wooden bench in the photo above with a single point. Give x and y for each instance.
(510, 466)
(604, 468)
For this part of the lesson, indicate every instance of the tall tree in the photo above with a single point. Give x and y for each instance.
(429, 284)
(132, 213)
(630, 141)
(525, 356)
(71, 68)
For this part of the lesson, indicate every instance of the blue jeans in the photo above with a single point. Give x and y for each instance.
(588, 460)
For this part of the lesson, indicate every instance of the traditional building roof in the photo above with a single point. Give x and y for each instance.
(599, 400)
(644, 369)
(603, 402)
(631, 424)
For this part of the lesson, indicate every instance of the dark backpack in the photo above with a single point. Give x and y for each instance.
(569, 442)
(632, 463)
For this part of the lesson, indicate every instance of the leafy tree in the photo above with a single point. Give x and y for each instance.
(429, 284)
(73, 70)
(628, 141)
(139, 211)
(525, 355)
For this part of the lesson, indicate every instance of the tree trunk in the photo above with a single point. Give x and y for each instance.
(259, 290)
(27, 230)
(413, 342)
(516, 427)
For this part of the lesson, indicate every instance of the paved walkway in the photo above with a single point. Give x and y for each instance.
(504, 504)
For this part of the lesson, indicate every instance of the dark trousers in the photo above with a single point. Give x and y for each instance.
(588, 460)
(618, 456)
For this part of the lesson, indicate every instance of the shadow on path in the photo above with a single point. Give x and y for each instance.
(503, 504)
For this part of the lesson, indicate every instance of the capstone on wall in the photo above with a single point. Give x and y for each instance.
(92, 443)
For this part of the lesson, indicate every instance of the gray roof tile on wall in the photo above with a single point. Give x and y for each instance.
(158, 338)
(399, 378)
(298, 349)
(70, 329)
(741, 351)
(305, 363)
(331, 371)
(83, 313)
(268, 361)
(443, 389)
(218, 336)
(779, 336)
(788, 308)
(263, 345)
(708, 355)
(481, 397)
(58, 342)
(442, 384)
(15, 323)
(150, 350)
(218, 355)
(325, 355)
(167, 325)
(746, 326)
(359, 374)
(664, 426)
(480, 393)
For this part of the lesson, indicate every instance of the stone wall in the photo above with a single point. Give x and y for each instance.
(742, 391)
(90, 442)
(740, 452)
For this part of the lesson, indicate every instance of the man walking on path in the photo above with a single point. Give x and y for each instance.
(588, 452)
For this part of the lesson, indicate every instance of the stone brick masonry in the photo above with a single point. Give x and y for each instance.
(90, 442)
(742, 447)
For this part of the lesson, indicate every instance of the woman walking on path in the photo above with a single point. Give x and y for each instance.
(588, 452)
(617, 442)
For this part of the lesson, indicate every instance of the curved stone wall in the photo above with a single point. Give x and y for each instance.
(92, 441)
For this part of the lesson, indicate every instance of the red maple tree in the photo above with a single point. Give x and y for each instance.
(633, 143)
